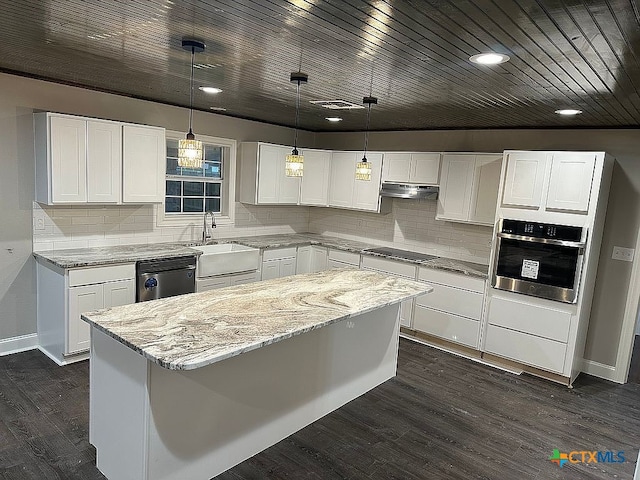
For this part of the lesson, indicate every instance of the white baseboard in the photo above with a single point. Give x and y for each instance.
(600, 370)
(18, 344)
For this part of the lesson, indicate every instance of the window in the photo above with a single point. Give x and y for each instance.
(190, 192)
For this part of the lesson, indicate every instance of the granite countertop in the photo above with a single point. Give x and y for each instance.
(85, 257)
(191, 331)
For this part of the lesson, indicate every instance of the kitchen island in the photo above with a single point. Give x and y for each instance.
(189, 386)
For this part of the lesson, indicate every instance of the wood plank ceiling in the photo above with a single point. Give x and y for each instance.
(412, 55)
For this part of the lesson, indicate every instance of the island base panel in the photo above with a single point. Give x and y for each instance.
(166, 424)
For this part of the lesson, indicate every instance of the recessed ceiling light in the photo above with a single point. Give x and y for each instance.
(334, 119)
(568, 111)
(210, 90)
(489, 58)
(219, 109)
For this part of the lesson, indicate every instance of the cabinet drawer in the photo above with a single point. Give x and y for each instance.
(453, 300)
(110, 273)
(453, 279)
(446, 325)
(389, 266)
(528, 318)
(529, 349)
(277, 253)
(345, 257)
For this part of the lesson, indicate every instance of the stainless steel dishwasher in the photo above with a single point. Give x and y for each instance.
(165, 277)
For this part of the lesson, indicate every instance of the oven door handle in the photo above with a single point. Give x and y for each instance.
(547, 241)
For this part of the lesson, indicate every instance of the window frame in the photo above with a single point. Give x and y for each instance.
(228, 194)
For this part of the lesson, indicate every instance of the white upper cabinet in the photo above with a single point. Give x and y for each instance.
(104, 161)
(570, 181)
(469, 186)
(314, 189)
(84, 160)
(347, 192)
(549, 181)
(143, 160)
(524, 178)
(263, 179)
(407, 167)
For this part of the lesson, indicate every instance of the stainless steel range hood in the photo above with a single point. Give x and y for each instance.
(399, 190)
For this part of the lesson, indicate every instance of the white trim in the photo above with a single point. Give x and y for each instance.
(627, 335)
(229, 180)
(18, 344)
(65, 360)
(636, 476)
(600, 370)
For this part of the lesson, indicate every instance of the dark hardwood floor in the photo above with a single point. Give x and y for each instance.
(442, 417)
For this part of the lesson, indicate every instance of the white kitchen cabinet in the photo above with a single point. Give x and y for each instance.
(278, 262)
(222, 281)
(399, 269)
(452, 311)
(524, 178)
(469, 185)
(314, 188)
(82, 160)
(570, 181)
(411, 167)
(319, 257)
(262, 175)
(143, 164)
(347, 192)
(342, 259)
(63, 294)
(303, 260)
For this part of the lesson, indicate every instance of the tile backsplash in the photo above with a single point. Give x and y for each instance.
(411, 225)
(62, 227)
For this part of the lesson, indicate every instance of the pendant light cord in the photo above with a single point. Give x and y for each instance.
(191, 92)
(366, 133)
(295, 139)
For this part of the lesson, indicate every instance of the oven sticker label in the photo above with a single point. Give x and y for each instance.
(530, 269)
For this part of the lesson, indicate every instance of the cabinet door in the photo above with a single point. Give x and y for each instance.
(81, 299)
(143, 164)
(486, 183)
(303, 259)
(314, 189)
(104, 161)
(287, 267)
(343, 176)
(396, 167)
(318, 259)
(366, 194)
(524, 179)
(456, 182)
(270, 269)
(570, 182)
(406, 311)
(425, 168)
(118, 293)
(270, 167)
(206, 284)
(68, 137)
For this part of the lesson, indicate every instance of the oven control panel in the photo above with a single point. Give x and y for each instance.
(542, 230)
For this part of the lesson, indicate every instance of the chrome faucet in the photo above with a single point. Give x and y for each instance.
(205, 229)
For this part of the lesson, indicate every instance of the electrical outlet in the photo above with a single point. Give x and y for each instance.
(39, 221)
(360, 224)
(624, 254)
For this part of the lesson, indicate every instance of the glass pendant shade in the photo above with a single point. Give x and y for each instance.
(294, 166)
(363, 170)
(190, 153)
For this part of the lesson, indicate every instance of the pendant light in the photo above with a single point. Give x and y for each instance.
(190, 149)
(294, 165)
(363, 168)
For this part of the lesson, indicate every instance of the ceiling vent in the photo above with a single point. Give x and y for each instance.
(336, 104)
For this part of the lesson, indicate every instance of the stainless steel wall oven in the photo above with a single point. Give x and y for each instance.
(539, 259)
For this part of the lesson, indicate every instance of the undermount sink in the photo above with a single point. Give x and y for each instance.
(225, 258)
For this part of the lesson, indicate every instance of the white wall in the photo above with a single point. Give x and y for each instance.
(411, 225)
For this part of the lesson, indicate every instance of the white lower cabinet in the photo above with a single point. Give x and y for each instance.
(528, 332)
(64, 294)
(278, 262)
(311, 259)
(342, 259)
(452, 311)
(399, 269)
(222, 281)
